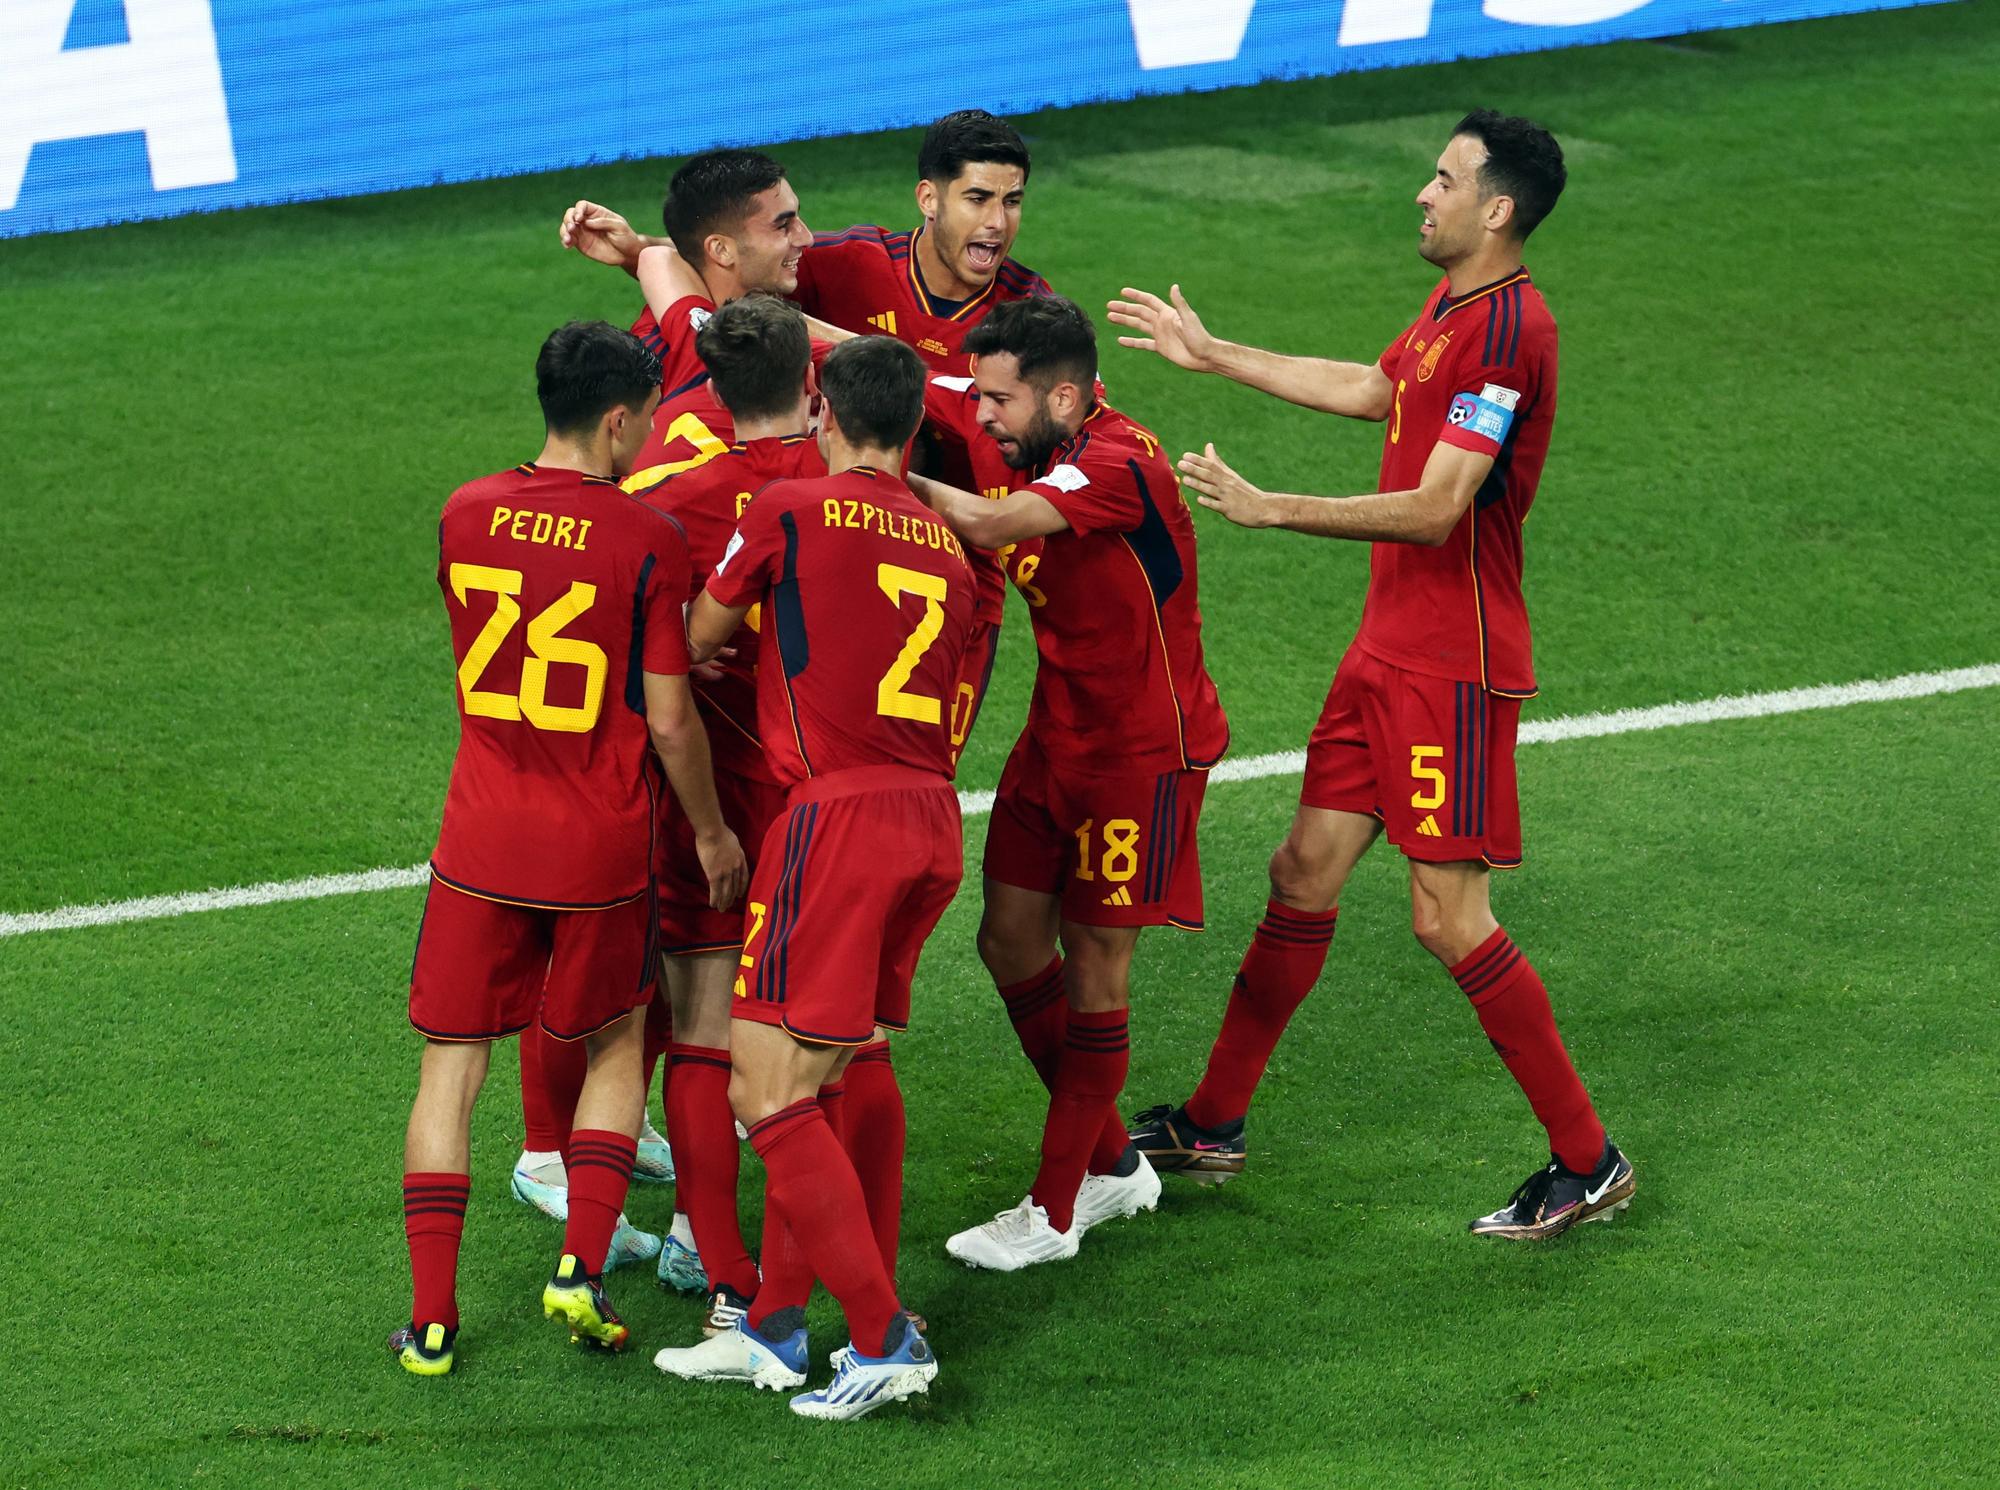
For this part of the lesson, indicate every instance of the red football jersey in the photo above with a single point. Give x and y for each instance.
(1480, 373)
(867, 603)
(708, 502)
(866, 280)
(951, 409)
(561, 590)
(691, 425)
(1121, 687)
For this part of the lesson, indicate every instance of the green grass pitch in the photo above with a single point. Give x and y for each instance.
(226, 442)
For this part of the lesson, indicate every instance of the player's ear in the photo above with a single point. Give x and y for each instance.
(721, 248)
(1500, 214)
(927, 198)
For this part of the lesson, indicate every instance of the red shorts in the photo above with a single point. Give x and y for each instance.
(1119, 850)
(975, 671)
(687, 922)
(1432, 758)
(855, 873)
(486, 968)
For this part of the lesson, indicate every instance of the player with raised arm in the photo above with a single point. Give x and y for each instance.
(866, 601)
(758, 354)
(1417, 735)
(737, 219)
(564, 597)
(732, 223)
(1093, 829)
(927, 287)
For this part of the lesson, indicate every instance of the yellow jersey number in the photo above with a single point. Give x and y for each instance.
(546, 648)
(891, 697)
(707, 446)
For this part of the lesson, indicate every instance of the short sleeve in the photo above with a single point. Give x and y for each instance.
(1395, 348)
(951, 407)
(750, 562)
(681, 366)
(663, 648)
(1484, 403)
(1095, 494)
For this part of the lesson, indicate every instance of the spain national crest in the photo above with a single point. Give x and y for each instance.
(1430, 363)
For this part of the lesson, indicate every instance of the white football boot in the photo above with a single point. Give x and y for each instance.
(1014, 1240)
(863, 1383)
(741, 1354)
(1110, 1197)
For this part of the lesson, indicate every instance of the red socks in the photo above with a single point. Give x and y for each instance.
(874, 1137)
(1096, 1052)
(434, 1220)
(702, 1132)
(551, 1081)
(600, 1172)
(1040, 1014)
(812, 1182)
(1513, 1009)
(1279, 970)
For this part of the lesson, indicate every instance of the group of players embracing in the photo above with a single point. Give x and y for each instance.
(725, 570)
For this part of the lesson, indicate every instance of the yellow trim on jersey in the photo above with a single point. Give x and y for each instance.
(924, 296)
(1480, 294)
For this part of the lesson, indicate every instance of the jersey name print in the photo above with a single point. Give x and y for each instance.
(867, 603)
(561, 591)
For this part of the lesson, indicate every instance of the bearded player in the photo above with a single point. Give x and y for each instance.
(1092, 835)
(1417, 736)
(866, 600)
(758, 355)
(564, 597)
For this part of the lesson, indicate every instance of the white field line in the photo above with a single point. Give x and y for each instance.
(974, 804)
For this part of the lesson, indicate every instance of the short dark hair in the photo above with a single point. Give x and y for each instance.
(958, 140)
(712, 192)
(875, 387)
(1049, 336)
(756, 350)
(588, 368)
(1523, 161)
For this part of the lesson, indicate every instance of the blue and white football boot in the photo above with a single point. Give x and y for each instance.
(653, 1164)
(742, 1354)
(862, 1383)
(680, 1266)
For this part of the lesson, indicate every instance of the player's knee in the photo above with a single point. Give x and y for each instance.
(1300, 878)
(1448, 936)
(745, 1098)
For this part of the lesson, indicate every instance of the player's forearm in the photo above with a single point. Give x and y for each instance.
(976, 520)
(1378, 517)
(682, 745)
(665, 277)
(827, 331)
(1311, 382)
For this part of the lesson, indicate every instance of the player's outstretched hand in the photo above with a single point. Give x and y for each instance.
(601, 234)
(1220, 489)
(1172, 330)
(723, 862)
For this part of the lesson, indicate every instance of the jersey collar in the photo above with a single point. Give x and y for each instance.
(928, 305)
(1446, 305)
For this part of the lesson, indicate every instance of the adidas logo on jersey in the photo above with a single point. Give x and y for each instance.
(884, 322)
(1429, 827)
(1119, 896)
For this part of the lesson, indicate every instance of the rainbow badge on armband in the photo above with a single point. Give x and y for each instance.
(1490, 412)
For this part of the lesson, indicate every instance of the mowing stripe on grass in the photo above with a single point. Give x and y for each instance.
(973, 804)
